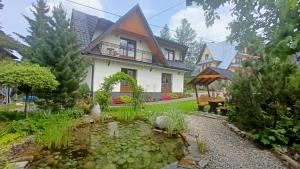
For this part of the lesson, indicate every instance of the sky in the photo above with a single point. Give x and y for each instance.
(12, 20)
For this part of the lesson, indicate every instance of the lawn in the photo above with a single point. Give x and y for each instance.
(180, 106)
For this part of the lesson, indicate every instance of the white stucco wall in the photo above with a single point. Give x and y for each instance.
(149, 80)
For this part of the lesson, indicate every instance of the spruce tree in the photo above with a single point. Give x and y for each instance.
(186, 35)
(65, 58)
(165, 33)
(52, 43)
(38, 30)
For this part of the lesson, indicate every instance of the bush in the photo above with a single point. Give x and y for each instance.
(103, 98)
(83, 90)
(173, 95)
(125, 99)
(85, 104)
(270, 137)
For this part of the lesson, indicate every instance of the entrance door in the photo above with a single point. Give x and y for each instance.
(166, 83)
(125, 86)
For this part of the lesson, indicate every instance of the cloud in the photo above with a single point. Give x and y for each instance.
(195, 15)
(69, 6)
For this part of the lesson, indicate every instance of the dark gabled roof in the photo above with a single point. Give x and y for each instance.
(172, 44)
(211, 74)
(85, 26)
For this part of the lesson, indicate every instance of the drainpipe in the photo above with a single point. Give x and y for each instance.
(92, 80)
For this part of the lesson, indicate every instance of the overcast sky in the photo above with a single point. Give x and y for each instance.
(12, 20)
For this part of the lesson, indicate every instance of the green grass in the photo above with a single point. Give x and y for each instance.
(181, 106)
(10, 107)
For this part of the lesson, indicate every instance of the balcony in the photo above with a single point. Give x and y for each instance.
(123, 52)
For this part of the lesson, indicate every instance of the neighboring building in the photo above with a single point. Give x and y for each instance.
(221, 55)
(129, 45)
(295, 58)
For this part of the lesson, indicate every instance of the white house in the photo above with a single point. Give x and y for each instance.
(129, 45)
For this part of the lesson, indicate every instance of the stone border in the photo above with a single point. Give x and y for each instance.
(284, 158)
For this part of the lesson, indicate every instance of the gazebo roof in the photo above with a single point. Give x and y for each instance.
(211, 74)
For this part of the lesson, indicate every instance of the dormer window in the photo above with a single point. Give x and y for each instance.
(170, 54)
(206, 56)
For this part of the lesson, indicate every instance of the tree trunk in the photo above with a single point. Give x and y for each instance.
(26, 104)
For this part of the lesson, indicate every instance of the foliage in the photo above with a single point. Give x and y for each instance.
(56, 135)
(202, 147)
(173, 95)
(264, 26)
(11, 137)
(85, 104)
(83, 90)
(126, 99)
(27, 77)
(184, 107)
(53, 43)
(270, 137)
(103, 96)
(267, 101)
(165, 33)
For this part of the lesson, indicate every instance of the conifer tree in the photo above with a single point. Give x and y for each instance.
(165, 33)
(38, 31)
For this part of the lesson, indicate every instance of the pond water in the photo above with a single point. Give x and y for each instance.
(114, 146)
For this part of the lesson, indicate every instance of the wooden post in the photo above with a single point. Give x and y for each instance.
(208, 90)
(196, 92)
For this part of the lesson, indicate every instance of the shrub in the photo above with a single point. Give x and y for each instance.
(85, 104)
(83, 90)
(270, 137)
(173, 95)
(103, 98)
(125, 99)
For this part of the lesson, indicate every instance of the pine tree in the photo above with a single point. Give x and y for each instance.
(68, 64)
(165, 33)
(186, 35)
(52, 43)
(38, 31)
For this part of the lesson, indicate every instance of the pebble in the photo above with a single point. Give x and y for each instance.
(227, 150)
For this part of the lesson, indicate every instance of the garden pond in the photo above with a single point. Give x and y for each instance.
(114, 145)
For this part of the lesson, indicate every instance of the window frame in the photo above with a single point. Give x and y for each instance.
(168, 51)
(127, 47)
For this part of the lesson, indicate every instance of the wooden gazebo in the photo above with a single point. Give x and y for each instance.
(208, 76)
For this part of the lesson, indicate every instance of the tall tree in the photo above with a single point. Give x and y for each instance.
(165, 33)
(68, 64)
(38, 31)
(1, 5)
(53, 43)
(186, 35)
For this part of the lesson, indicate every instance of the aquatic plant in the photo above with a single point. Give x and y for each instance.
(57, 134)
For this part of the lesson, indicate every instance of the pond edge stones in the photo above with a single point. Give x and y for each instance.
(161, 122)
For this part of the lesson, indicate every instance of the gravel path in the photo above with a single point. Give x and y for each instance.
(226, 150)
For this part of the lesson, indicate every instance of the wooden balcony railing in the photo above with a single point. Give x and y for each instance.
(115, 50)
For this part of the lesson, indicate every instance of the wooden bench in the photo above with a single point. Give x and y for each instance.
(202, 101)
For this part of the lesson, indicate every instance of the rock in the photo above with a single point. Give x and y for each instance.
(21, 164)
(96, 111)
(26, 158)
(51, 161)
(160, 122)
(88, 120)
(296, 156)
(203, 163)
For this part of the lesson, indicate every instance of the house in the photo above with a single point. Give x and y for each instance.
(129, 46)
(295, 58)
(220, 55)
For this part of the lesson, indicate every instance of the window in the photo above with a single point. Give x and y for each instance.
(206, 56)
(125, 86)
(127, 47)
(170, 54)
(166, 83)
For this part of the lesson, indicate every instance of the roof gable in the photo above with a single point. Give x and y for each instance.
(133, 22)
